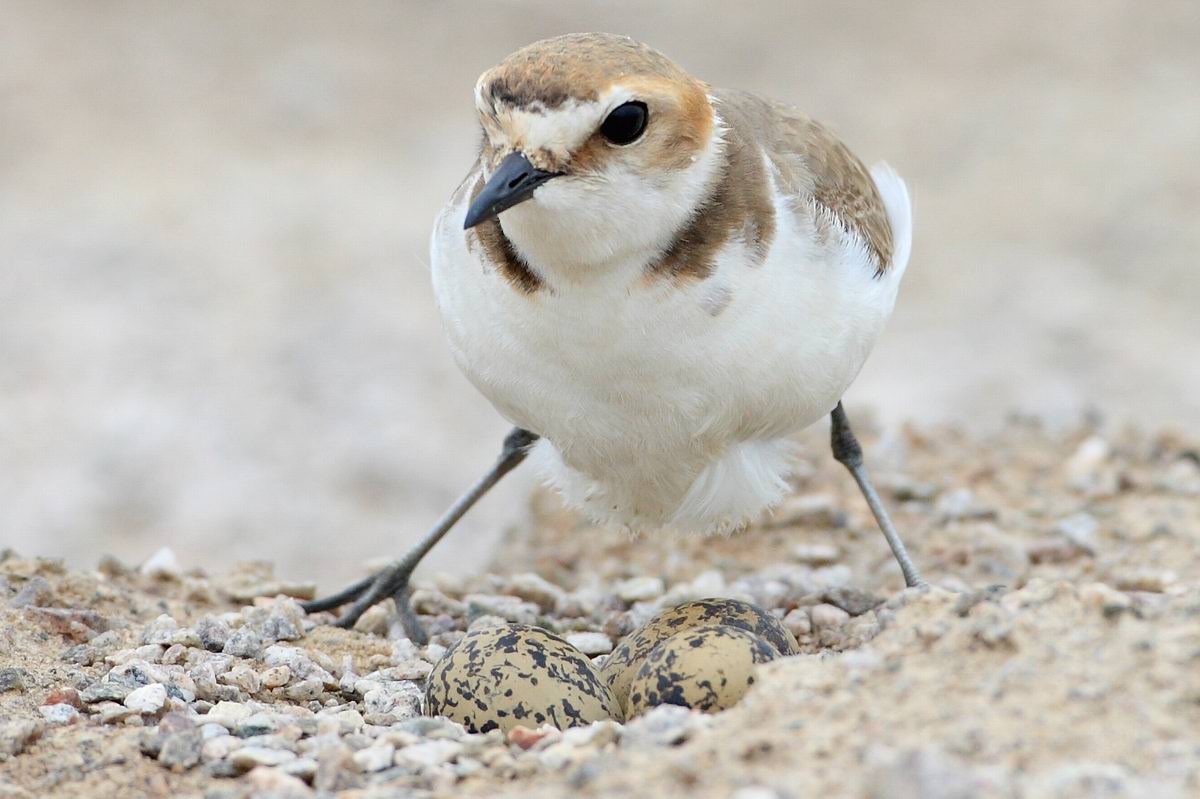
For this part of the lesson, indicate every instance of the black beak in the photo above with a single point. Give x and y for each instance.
(513, 182)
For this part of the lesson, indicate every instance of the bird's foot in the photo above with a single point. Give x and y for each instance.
(391, 582)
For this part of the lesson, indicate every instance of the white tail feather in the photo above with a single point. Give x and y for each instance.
(896, 201)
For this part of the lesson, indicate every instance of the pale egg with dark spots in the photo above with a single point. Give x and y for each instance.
(707, 668)
(516, 675)
(623, 664)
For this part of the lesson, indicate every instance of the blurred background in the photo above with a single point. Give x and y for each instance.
(216, 325)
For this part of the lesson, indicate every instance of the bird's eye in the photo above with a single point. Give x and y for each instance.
(625, 123)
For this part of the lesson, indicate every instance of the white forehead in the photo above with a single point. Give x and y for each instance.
(558, 131)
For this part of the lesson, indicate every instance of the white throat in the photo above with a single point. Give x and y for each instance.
(578, 228)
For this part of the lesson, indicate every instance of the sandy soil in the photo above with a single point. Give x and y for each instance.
(1055, 656)
(216, 328)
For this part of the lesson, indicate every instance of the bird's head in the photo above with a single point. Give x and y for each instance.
(596, 149)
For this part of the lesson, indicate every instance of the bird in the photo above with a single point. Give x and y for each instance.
(658, 283)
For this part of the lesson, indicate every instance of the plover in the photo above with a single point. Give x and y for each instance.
(659, 283)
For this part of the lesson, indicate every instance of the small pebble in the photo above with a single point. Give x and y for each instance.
(393, 701)
(64, 696)
(639, 589)
(664, 725)
(227, 714)
(533, 588)
(1080, 529)
(220, 747)
(275, 677)
(961, 504)
(375, 758)
(1154, 581)
(1082, 469)
(852, 600)
(162, 565)
(820, 510)
(243, 643)
(408, 670)
(13, 679)
(303, 768)
(112, 713)
(213, 633)
(59, 714)
(1105, 597)
(1181, 477)
(181, 750)
(526, 738)
(255, 724)
(248, 757)
(429, 753)
(798, 622)
(305, 690)
(243, 677)
(16, 735)
(590, 643)
(276, 783)
(147, 700)
(816, 554)
(756, 792)
(825, 616)
(508, 608)
(35, 593)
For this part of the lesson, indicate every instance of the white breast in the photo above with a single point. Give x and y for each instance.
(669, 406)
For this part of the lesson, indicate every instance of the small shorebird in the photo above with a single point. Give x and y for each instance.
(659, 283)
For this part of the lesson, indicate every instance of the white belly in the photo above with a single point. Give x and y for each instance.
(660, 404)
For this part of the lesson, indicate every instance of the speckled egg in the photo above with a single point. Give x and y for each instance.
(517, 675)
(627, 658)
(708, 668)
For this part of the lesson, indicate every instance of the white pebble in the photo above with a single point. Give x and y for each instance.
(710, 583)
(220, 747)
(591, 643)
(59, 714)
(755, 792)
(1181, 477)
(1086, 460)
(640, 589)
(349, 721)
(304, 691)
(227, 714)
(148, 699)
(273, 782)
(210, 730)
(392, 702)
(534, 588)
(275, 676)
(1102, 596)
(298, 660)
(810, 509)
(961, 504)
(111, 712)
(429, 753)
(376, 757)
(162, 565)
(825, 616)
(816, 554)
(243, 677)
(1080, 529)
(798, 622)
(248, 757)
(558, 756)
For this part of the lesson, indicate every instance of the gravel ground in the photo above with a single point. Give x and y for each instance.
(1055, 655)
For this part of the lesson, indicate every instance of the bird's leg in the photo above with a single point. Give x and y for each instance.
(848, 452)
(392, 581)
